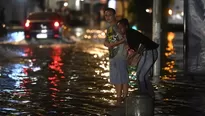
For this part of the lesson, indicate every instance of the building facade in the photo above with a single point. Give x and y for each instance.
(18, 10)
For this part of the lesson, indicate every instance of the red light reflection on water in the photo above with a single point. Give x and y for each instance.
(28, 51)
(57, 61)
(57, 73)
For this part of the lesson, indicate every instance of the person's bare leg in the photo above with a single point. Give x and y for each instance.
(125, 90)
(118, 88)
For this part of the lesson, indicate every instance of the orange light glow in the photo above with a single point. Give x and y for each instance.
(169, 68)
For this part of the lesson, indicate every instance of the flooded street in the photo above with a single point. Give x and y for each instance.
(71, 79)
(55, 80)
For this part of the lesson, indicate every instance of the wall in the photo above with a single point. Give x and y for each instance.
(18, 9)
(196, 37)
(53, 4)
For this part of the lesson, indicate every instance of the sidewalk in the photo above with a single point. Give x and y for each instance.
(137, 104)
(177, 97)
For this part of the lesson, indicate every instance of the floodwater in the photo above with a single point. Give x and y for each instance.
(72, 79)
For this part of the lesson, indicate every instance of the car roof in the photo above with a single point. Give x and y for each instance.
(41, 15)
(36, 13)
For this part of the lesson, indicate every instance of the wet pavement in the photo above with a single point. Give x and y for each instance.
(71, 79)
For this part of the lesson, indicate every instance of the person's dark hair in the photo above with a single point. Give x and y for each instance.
(110, 9)
(124, 21)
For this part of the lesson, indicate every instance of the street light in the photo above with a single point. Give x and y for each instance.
(170, 12)
(65, 4)
(112, 4)
(149, 10)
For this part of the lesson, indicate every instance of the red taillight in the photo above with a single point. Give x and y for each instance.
(56, 24)
(27, 36)
(56, 35)
(27, 24)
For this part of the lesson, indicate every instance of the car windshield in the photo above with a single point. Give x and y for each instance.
(44, 16)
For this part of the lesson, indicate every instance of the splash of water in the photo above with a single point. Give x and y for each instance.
(15, 36)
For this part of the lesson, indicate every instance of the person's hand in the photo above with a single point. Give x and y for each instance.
(106, 44)
(127, 47)
(109, 45)
(131, 51)
(124, 36)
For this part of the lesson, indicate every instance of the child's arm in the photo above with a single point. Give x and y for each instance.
(117, 43)
(106, 42)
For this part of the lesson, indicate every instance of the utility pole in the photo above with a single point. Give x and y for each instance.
(47, 4)
(157, 8)
(25, 9)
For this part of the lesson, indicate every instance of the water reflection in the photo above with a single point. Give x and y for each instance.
(73, 80)
(15, 36)
(13, 86)
(28, 52)
(58, 80)
(177, 95)
(56, 73)
(94, 34)
(169, 68)
(57, 64)
(170, 46)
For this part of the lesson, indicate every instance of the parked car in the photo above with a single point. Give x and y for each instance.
(43, 25)
(14, 25)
